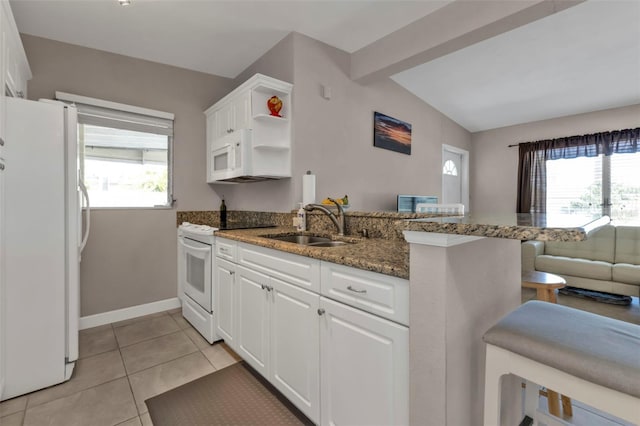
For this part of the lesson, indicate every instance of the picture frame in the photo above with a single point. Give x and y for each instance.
(391, 133)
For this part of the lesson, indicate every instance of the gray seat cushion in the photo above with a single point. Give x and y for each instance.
(594, 269)
(595, 348)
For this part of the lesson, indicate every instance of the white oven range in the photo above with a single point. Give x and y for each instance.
(195, 277)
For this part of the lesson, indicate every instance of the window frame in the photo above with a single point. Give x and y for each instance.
(140, 111)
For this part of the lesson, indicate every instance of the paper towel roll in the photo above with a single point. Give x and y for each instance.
(308, 188)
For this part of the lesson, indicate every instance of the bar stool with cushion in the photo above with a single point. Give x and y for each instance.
(546, 285)
(591, 358)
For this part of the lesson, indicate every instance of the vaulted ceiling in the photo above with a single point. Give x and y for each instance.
(572, 59)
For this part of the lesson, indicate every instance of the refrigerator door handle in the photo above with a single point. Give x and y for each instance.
(88, 216)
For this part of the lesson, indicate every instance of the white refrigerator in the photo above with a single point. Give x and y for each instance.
(43, 241)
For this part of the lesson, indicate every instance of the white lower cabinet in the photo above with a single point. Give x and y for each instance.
(224, 300)
(295, 352)
(364, 362)
(338, 364)
(252, 309)
(278, 335)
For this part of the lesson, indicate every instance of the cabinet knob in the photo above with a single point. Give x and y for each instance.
(321, 311)
(355, 290)
(1, 166)
(262, 286)
(231, 272)
(19, 94)
(1, 142)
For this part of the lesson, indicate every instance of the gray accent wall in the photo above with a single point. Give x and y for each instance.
(494, 166)
(130, 258)
(334, 137)
(131, 254)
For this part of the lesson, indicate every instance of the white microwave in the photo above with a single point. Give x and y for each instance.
(233, 159)
(229, 156)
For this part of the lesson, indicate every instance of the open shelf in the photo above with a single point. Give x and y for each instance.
(269, 117)
(271, 147)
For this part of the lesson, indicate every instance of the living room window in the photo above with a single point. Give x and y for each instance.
(590, 174)
(125, 153)
(608, 184)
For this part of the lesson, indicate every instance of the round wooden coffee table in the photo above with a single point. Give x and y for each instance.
(544, 283)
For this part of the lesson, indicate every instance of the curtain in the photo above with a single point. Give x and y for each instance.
(532, 157)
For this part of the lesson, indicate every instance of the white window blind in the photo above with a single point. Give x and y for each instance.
(102, 113)
(125, 153)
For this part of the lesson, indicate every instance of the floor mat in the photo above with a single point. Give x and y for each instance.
(598, 296)
(235, 395)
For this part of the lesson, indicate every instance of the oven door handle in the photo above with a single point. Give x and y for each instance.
(203, 250)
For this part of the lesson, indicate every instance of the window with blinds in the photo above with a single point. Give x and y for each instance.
(592, 185)
(125, 153)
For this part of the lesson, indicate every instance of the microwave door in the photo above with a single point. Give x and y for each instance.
(223, 161)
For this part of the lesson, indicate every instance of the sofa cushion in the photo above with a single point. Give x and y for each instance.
(562, 265)
(599, 245)
(626, 273)
(628, 245)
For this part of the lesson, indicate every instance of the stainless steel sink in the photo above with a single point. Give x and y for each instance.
(300, 239)
(307, 240)
(329, 244)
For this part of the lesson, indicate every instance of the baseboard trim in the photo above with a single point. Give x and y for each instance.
(128, 313)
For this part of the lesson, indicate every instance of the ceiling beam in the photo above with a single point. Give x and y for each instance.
(450, 28)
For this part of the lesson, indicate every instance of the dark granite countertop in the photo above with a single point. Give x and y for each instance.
(511, 226)
(390, 257)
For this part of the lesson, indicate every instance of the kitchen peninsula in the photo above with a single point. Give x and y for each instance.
(465, 276)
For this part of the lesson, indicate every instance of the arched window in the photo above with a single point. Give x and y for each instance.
(449, 168)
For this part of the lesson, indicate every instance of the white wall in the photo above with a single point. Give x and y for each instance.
(494, 166)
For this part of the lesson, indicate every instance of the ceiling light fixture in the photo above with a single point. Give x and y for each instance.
(124, 2)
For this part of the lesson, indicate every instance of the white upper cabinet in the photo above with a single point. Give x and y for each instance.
(16, 71)
(264, 152)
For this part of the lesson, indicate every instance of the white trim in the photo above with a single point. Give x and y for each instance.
(438, 239)
(68, 97)
(463, 172)
(128, 313)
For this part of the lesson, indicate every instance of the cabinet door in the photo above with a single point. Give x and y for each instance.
(364, 361)
(225, 289)
(252, 332)
(242, 111)
(295, 358)
(224, 121)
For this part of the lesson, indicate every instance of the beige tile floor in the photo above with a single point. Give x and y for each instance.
(124, 363)
(120, 366)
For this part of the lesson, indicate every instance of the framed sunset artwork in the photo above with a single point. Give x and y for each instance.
(391, 133)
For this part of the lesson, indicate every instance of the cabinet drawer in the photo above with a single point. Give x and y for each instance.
(299, 270)
(227, 249)
(379, 294)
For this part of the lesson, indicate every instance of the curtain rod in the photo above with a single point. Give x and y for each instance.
(587, 135)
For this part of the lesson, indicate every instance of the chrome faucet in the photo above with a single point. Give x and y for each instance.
(339, 223)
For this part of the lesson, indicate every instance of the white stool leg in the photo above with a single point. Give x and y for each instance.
(531, 400)
(492, 388)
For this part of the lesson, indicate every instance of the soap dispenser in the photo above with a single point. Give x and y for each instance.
(302, 218)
